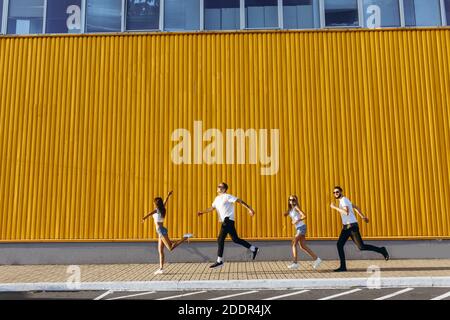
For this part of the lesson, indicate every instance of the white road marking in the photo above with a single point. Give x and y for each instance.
(340, 294)
(104, 295)
(441, 297)
(233, 295)
(394, 294)
(182, 295)
(132, 295)
(286, 295)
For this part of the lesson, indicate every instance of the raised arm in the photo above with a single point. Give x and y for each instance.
(148, 215)
(250, 210)
(345, 211)
(167, 198)
(199, 213)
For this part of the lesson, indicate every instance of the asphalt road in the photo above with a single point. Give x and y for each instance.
(237, 295)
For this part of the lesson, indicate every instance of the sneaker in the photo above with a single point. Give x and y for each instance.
(317, 263)
(385, 253)
(159, 271)
(216, 265)
(188, 235)
(255, 253)
(340, 270)
(293, 266)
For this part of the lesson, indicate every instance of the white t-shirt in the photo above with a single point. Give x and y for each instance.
(295, 216)
(224, 204)
(350, 218)
(157, 217)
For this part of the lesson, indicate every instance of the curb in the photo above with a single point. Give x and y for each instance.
(285, 284)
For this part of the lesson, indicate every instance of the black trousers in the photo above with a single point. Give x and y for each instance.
(353, 232)
(228, 228)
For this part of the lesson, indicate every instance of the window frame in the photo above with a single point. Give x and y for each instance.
(125, 19)
(264, 28)
(219, 30)
(5, 17)
(319, 8)
(359, 9)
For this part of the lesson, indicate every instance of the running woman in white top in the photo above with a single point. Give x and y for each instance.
(224, 204)
(298, 216)
(159, 213)
(351, 229)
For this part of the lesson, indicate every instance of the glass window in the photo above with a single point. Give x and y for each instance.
(142, 14)
(447, 11)
(340, 13)
(301, 14)
(63, 16)
(1, 15)
(381, 13)
(182, 15)
(261, 13)
(222, 15)
(422, 13)
(103, 15)
(25, 16)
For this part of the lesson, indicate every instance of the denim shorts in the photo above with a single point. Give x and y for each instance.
(301, 231)
(161, 231)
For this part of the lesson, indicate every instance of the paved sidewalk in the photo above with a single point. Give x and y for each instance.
(233, 274)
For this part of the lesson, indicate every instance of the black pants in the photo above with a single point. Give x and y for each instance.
(228, 228)
(353, 232)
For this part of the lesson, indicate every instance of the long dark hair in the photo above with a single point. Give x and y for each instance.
(160, 205)
(290, 207)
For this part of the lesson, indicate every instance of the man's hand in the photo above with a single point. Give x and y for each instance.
(251, 212)
(199, 213)
(366, 220)
(169, 194)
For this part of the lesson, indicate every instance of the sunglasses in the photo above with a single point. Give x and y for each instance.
(291, 199)
(336, 192)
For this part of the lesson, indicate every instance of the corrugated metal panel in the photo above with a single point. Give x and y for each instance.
(86, 124)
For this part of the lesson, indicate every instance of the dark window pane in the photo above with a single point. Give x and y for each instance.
(341, 13)
(222, 15)
(63, 16)
(422, 13)
(103, 15)
(25, 16)
(142, 14)
(301, 14)
(261, 13)
(182, 15)
(447, 11)
(381, 13)
(1, 14)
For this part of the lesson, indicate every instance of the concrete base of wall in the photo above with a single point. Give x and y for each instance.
(123, 253)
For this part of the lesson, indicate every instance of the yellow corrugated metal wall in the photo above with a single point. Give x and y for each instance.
(86, 124)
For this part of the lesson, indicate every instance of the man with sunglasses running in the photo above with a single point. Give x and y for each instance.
(350, 228)
(224, 204)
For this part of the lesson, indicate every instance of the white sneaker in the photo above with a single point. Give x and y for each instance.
(293, 266)
(317, 263)
(188, 235)
(159, 271)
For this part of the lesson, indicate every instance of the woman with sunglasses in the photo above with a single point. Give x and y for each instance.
(298, 216)
(159, 213)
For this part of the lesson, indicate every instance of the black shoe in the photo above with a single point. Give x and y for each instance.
(340, 270)
(216, 265)
(385, 253)
(255, 252)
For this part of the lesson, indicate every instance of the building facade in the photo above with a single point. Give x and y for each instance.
(94, 125)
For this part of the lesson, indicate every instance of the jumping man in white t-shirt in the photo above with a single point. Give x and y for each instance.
(224, 204)
(351, 229)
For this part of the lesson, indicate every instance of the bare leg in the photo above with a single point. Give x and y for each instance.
(294, 249)
(305, 248)
(161, 253)
(172, 245)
